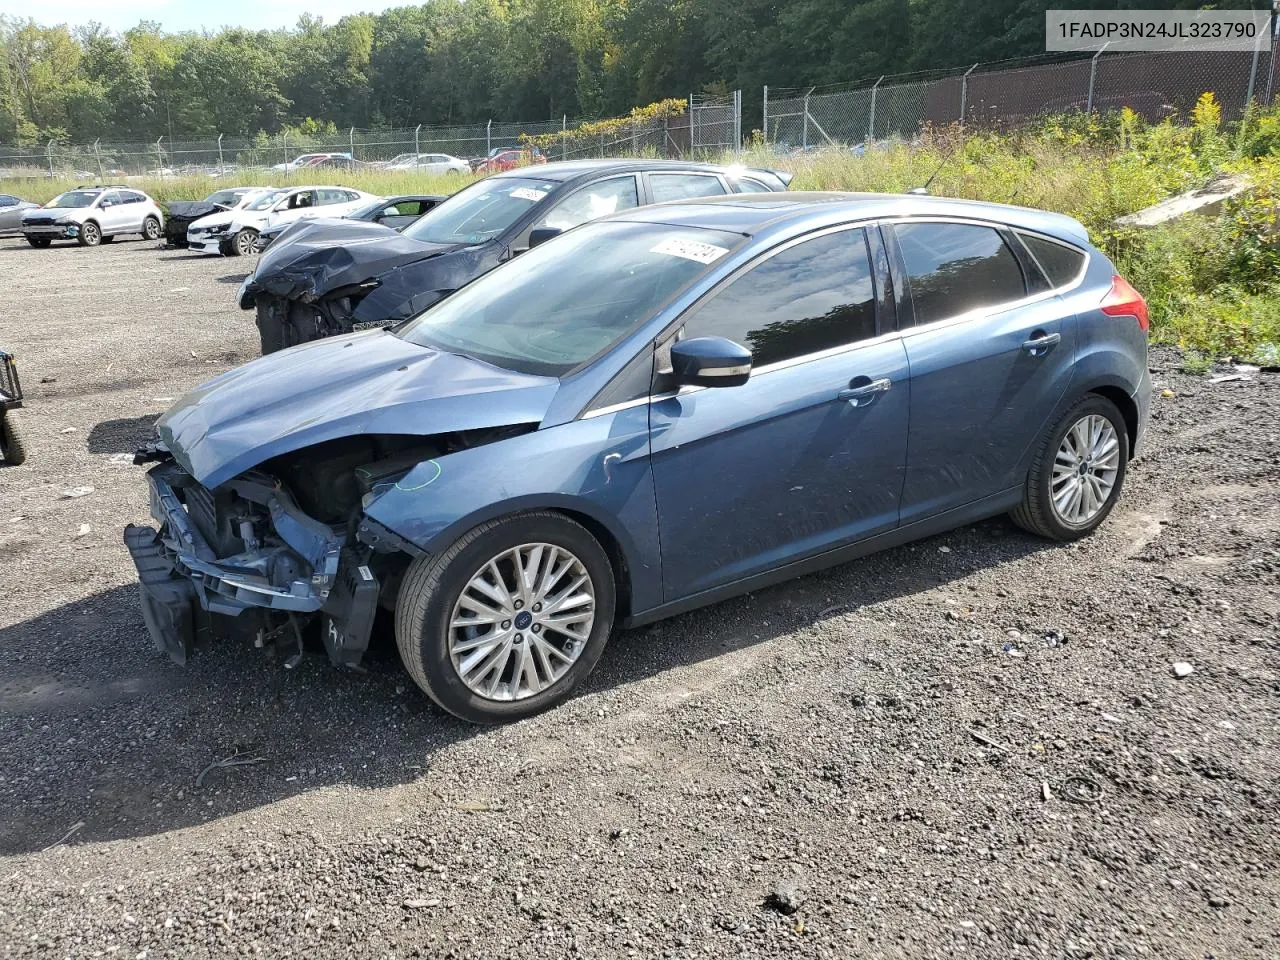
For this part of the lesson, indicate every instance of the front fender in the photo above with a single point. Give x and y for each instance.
(598, 468)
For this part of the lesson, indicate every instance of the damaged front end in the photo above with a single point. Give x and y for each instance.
(314, 282)
(244, 561)
(267, 554)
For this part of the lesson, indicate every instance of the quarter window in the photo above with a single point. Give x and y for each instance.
(953, 268)
(683, 186)
(751, 186)
(592, 202)
(813, 296)
(1060, 263)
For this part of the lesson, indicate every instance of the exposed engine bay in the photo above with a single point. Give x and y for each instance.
(271, 551)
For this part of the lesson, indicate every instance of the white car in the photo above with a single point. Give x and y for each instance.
(93, 215)
(235, 232)
(429, 163)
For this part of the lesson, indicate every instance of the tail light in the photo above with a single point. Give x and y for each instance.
(1124, 301)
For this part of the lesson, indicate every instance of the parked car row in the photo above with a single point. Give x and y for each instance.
(619, 390)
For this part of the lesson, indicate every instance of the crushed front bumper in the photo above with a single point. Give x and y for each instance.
(182, 578)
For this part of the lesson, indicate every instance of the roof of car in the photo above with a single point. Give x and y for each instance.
(753, 213)
(562, 170)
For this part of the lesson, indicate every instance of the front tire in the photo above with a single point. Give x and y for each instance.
(273, 326)
(243, 243)
(12, 448)
(90, 234)
(509, 619)
(151, 229)
(1077, 473)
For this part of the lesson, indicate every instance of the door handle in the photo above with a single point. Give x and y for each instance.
(1039, 346)
(865, 392)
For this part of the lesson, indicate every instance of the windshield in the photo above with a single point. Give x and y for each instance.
(481, 211)
(561, 303)
(267, 200)
(74, 198)
(227, 198)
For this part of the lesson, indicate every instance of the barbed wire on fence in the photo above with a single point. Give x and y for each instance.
(1011, 92)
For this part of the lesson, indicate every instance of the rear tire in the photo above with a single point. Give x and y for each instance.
(12, 448)
(90, 234)
(40, 243)
(432, 588)
(243, 243)
(1055, 470)
(151, 229)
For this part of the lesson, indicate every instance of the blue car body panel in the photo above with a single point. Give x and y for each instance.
(797, 469)
(596, 467)
(979, 400)
(704, 491)
(364, 383)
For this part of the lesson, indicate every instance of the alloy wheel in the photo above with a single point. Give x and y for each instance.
(522, 621)
(1085, 470)
(151, 228)
(246, 243)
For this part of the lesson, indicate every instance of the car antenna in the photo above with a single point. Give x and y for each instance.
(924, 190)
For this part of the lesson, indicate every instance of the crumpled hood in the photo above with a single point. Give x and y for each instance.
(192, 209)
(371, 382)
(323, 255)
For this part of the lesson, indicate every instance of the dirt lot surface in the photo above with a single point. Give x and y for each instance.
(892, 759)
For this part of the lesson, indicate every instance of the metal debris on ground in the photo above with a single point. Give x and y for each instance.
(988, 741)
(240, 758)
(1081, 789)
(75, 828)
(1230, 377)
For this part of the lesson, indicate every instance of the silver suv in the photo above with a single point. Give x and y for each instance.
(93, 215)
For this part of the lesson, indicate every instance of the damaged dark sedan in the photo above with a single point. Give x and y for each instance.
(652, 412)
(181, 214)
(335, 278)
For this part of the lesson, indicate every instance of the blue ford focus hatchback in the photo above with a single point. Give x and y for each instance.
(646, 414)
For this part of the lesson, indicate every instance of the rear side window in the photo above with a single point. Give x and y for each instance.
(1059, 262)
(953, 268)
(683, 186)
(751, 186)
(814, 296)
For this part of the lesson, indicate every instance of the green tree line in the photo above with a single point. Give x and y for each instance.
(465, 61)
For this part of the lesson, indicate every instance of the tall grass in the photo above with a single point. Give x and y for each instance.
(164, 189)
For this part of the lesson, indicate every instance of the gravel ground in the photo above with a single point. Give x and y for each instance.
(877, 761)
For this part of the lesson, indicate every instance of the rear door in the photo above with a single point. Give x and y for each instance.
(809, 453)
(991, 354)
(135, 209)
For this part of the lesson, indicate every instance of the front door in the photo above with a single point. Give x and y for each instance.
(988, 365)
(809, 454)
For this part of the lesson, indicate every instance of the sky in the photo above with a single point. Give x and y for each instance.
(176, 15)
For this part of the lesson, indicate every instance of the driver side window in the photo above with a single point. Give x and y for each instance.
(807, 298)
(593, 201)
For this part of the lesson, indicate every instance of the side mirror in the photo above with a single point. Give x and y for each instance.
(542, 234)
(710, 362)
(105, 203)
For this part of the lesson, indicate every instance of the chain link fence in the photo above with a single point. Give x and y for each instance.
(708, 126)
(1154, 85)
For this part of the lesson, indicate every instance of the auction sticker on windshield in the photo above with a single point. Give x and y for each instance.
(525, 193)
(691, 250)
